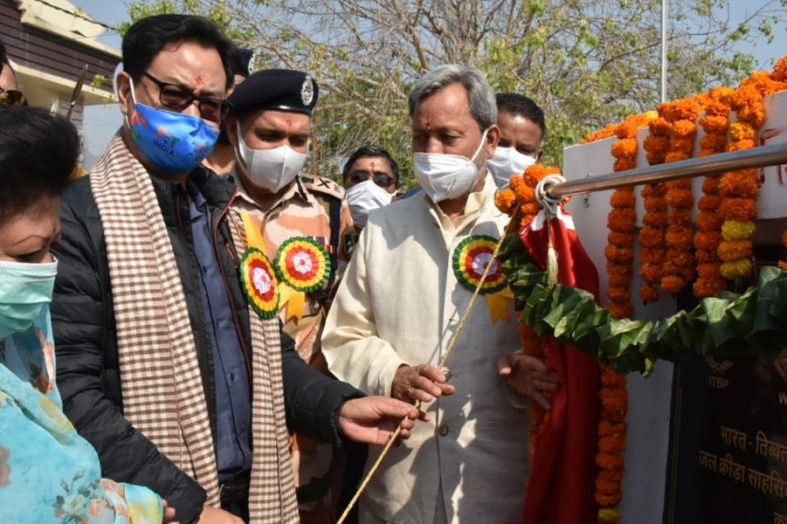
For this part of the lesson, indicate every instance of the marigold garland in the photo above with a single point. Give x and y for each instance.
(678, 267)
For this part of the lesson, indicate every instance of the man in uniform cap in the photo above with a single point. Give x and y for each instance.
(269, 126)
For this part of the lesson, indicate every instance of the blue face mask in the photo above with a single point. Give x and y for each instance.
(173, 142)
(25, 289)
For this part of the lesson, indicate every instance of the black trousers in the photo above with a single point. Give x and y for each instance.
(234, 495)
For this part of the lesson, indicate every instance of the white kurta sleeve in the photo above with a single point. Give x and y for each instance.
(350, 342)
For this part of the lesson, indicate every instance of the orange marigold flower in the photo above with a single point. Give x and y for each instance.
(534, 174)
(740, 209)
(619, 280)
(620, 255)
(702, 255)
(682, 145)
(709, 270)
(739, 184)
(611, 378)
(660, 127)
(709, 203)
(656, 220)
(622, 220)
(732, 250)
(680, 198)
(505, 201)
(652, 256)
(611, 474)
(604, 487)
(615, 269)
(656, 144)
(672, 284)
(655, 205)
(780, 70)
(755, 115)
(676, 156)
(624, 164)
(713, 142)
(648, 294)
(624, 148)
(620, 239)
(704, 287)
(619, 311)
(650, 273)
(623, 197)
(684, 129)
(609, 461)
(607, 428)
(655, 158)
(653, 190)
(680, 216)
(651, 237)
(626, 129)
(678, 237)
(740, 145)
(709, 221)
(677, 259)
(707, 240)
(710, 185)
(714, 125)
(529, 210)
(618, 295)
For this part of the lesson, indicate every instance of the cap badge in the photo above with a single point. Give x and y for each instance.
(307, 91)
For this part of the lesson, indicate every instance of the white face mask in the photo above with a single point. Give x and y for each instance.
(507, 162)
(445, 176)
(269, 169)
(365, 197)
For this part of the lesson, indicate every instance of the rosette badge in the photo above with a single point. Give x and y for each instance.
(259, 283)
(471, 258)
(303, 264)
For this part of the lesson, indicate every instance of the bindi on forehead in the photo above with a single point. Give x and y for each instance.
(373, 164)
(429, 123)
(199, 80)
(288, 121)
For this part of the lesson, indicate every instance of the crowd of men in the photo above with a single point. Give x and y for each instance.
(192, 360)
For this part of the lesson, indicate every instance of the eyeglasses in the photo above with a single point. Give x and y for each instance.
(380, 178)
(12, 97)
(175, 97)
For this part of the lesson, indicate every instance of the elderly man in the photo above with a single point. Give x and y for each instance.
(400, 303)
(181, 382)
(269, 127)
(522, 129)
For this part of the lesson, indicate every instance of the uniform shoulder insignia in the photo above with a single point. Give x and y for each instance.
(323, 185)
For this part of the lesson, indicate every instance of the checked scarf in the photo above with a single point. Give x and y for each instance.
(163, 397)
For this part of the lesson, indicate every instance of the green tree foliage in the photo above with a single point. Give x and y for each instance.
(586, 62)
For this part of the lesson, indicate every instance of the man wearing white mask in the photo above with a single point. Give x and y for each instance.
(269, 127)
(371, 177)
(399, 304)
(522, 129)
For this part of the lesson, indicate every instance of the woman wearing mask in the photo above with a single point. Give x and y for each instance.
(48, 473)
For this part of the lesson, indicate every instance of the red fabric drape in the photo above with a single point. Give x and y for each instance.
(561, 486)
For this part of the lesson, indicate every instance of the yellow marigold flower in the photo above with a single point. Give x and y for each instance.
(742, 131)
(733, 230)
(731, 270)
(608, 515)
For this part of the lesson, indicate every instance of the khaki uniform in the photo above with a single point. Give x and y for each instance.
(304, 210)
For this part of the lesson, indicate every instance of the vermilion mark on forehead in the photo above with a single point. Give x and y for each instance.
(429, 123)
(373, 164)
(289, 122)
(199, 80)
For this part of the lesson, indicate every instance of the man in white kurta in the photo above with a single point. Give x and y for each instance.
(397, 309)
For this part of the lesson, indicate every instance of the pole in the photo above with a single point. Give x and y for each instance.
(732, 161)
(664, 14)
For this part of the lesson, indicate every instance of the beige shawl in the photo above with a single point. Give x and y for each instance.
(162, 390)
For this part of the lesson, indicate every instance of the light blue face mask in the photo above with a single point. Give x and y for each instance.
(173, 142)
(25, 289)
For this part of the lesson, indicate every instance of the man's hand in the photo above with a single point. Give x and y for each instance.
(372, 420)
(211, 515)
(422, 382)
(169, 514)
(528, 376)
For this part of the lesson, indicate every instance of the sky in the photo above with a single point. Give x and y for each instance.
(102, 121)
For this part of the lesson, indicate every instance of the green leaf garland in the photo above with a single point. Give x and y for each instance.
(726, 327)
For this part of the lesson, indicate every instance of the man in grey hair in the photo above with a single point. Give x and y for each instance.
(400, 302)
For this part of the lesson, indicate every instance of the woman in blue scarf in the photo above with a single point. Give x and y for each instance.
(48, 473)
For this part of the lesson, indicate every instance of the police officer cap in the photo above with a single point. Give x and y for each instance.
(281, 89)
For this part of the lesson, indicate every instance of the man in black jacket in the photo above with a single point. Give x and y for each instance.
(150, 228)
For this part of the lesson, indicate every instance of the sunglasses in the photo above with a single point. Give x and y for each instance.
(177, 98)
(380, 178)
(12, 97)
